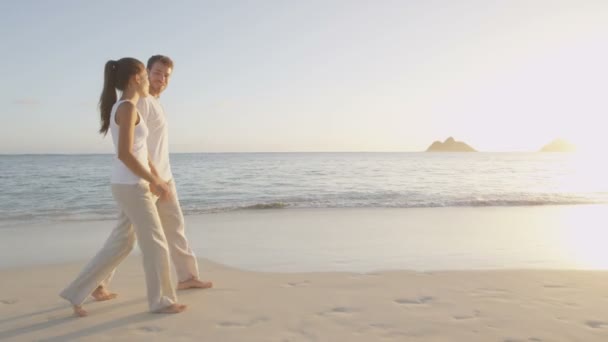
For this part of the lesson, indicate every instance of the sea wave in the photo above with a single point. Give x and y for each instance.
(357, 203)
(273, 205)
(33, 218)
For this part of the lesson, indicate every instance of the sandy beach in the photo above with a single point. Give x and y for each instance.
(443, 274)
(526, 305)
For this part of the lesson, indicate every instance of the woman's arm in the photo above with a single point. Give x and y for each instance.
(126, 117)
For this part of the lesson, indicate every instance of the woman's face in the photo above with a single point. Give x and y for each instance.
(141, 82)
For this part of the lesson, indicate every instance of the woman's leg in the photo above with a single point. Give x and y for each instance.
(123, 223)
(118, 245)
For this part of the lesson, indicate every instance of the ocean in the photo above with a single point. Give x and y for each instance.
(57, 188)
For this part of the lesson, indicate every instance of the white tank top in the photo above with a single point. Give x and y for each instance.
(121, 174)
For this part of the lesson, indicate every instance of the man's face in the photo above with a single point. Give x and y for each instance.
(159, 77)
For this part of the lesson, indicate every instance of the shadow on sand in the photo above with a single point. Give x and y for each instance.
(82, 333)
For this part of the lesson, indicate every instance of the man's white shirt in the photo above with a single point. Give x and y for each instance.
(158, 138)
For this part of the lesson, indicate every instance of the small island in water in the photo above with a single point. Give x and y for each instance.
(450, 145)
(559, 145)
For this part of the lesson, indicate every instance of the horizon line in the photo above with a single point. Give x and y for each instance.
(274, 152)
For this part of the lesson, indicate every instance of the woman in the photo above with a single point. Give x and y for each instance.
(132, 181)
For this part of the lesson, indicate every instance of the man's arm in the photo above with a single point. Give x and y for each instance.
(165, 195)
(151, 165)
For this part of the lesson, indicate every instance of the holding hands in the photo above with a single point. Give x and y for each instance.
(161, 189)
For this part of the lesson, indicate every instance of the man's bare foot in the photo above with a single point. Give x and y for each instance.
(79, 311)
(100, 294)
(194, 283)
(172, 309)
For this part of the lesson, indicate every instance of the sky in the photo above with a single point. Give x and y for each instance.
(295, 76)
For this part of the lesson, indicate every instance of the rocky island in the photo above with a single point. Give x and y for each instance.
(450, 145)
(559, 145)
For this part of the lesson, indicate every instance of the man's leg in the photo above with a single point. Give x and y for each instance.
(186, 264)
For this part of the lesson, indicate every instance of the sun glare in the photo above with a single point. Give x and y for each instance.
(583, 240)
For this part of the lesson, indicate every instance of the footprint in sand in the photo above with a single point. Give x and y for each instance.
(531, 339)
(490, 293)
(384, 330)
(297, 283)
(8, 301)
(462, 317)
(230, 324)
(596, 324)
(361, 276)
(150, 328)
(235, 324)
(414, 301)
(338, 310)
(343, 309)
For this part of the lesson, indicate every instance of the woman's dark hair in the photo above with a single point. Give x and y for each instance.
(116, 76)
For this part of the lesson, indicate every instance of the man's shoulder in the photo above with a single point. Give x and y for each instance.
(147, 106)
(145, 100)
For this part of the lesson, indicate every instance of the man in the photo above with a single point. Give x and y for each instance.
(159, 72)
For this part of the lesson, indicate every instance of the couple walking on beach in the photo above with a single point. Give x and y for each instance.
(143, 188)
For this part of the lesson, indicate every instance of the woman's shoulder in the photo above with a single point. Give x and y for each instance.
(125, 109)
(125, 105)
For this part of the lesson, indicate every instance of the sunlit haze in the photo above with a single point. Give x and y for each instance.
(314, 75)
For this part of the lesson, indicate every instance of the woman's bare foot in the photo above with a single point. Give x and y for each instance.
(79, 311)
(172, 309)
(194, 283)
(100, 294)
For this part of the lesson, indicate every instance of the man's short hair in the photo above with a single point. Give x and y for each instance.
(159, 58)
